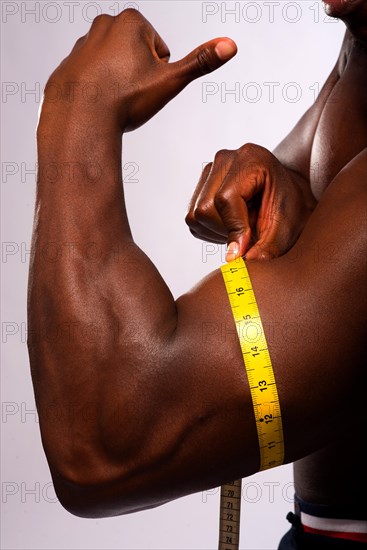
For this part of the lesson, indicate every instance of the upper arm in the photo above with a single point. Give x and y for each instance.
(313, 307)
(189, 399)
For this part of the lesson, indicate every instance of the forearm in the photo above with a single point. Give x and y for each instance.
(101, 318)
(125, 406)
(95, 291)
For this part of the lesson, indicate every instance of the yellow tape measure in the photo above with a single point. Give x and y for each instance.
(263, 389)
(257, 362)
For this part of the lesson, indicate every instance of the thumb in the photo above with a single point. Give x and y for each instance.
(203, 60)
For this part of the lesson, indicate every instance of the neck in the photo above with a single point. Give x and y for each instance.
(353, 13)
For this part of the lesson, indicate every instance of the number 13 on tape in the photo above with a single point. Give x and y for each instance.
(258, 364)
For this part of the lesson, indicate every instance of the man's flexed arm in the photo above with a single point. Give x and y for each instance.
(107, 313)
(143, 399)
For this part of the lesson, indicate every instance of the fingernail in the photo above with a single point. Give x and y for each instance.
(232, 252)
(225, 49)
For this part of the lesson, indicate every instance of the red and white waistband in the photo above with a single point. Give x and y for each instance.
(350, 529)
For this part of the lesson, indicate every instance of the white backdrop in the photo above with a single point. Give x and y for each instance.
(286, 50)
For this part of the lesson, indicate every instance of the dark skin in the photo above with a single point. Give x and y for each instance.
(307, 160)
(151, 403)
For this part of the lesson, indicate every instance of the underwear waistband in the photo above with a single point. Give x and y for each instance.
(331, 521)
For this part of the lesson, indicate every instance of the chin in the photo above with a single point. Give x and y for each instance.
(342, 8)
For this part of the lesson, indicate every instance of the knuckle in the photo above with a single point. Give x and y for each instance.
(223, 154)
(254, 160)
(79, 43)
(223, 159)
(205, 62)
(250, 148)
(252, 151)
(207, 169)
(130, 12)
(80, 40)
(131, 15)
(190, 218)
(222, 200)
(101, 20)
(202, 211)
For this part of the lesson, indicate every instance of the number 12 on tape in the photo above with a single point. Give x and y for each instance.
(257, 362)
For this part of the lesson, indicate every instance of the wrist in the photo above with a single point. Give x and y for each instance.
(75, 122)
(74, 135)
(73, 149)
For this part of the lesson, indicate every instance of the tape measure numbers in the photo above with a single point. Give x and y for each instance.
(258, 364)
(263, 389)
(230, 515)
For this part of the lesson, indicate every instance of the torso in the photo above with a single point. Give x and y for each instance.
(336, 475)
(342, 128)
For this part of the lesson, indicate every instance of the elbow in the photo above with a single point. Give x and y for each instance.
(86, 479)
(78, 487)
(97, 501)
(110, 460)
(73, 498)
(89, 498)
(98, 486)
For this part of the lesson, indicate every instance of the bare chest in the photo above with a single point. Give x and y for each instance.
(342, 129)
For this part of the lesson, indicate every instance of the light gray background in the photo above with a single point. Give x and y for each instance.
(279, 42)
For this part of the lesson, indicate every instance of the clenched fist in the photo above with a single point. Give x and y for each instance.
(119, 72)
(249, 200)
